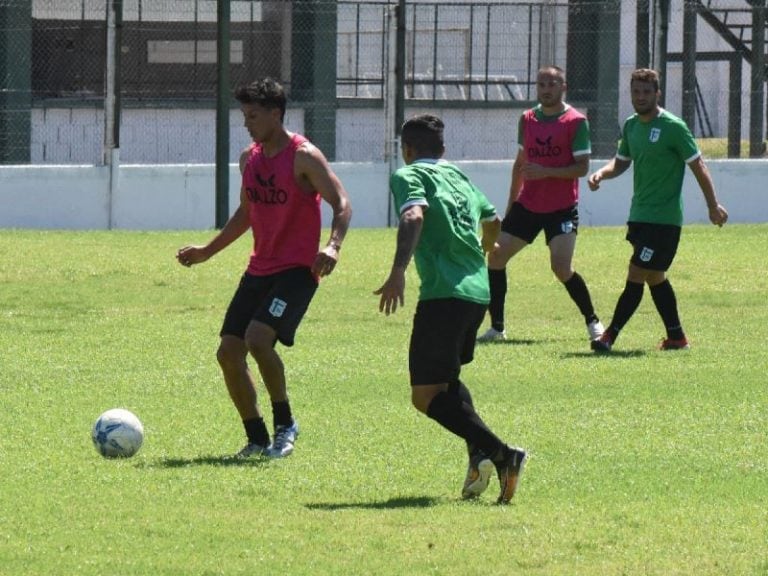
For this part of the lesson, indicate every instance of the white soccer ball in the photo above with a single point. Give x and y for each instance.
(117, 433)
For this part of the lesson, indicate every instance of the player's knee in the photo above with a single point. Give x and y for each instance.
(259, 339)
(419, 400)
(497, 260)
(655, 278)
(419, 405)
(259, 345)
(562, 270)
(256, 346)
(228, 355)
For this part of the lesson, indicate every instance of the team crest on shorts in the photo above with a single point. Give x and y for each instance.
(646, 254)
(654, 136)
(277, 307)
(567, 227)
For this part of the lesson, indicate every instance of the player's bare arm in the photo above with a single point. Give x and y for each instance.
(313, 172)
(392, 292)
(235, 227)
(616, 167)
(717, 213)
(516, 183)
(491, 230)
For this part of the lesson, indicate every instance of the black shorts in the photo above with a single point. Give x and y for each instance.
(443, 338)
(655, 245)
(278, 300)
(526, 225)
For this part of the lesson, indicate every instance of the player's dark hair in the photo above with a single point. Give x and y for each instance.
(559, 72)
(646, 75)
(424, 133)
(265, 92)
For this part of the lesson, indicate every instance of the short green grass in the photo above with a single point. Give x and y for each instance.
(642, 462)
(717, 148)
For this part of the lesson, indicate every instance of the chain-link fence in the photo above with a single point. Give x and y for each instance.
(472, 62)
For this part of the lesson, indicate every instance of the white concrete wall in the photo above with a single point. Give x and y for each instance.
(183, 196)
(147, 135)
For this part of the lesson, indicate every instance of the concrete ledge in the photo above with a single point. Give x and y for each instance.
(182, 196)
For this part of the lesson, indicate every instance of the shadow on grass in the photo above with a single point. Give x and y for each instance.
(206, 461)
(391, 504)
(611, 354)
(510, 342)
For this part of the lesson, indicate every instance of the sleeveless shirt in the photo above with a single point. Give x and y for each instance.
(285, 220)
(550, 141)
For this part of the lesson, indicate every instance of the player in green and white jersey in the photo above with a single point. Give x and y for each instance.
(441, 212)
(661, 145)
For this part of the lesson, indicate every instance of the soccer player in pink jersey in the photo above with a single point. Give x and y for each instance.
(284, 179)
(554, 153)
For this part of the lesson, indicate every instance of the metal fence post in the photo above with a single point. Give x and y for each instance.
(390, 100)
(112, 102)
(757, 81)
(222, 113)
(15, 81)
(689, 64)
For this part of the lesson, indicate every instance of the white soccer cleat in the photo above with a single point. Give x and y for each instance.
(493, 335)
(595, 329)
(285, 438)
(479, 472)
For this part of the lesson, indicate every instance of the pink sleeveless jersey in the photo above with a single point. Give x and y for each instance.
(550, 143)
(285, 219)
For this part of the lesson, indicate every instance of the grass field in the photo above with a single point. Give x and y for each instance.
(642, 462)
(717, 148)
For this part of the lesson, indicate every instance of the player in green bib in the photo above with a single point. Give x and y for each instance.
(661, 145)
(441, 212)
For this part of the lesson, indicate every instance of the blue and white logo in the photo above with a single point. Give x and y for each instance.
(567, 227)
(654, 136)
(646, 254)
(277, 307)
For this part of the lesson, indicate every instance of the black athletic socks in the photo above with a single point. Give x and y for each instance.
(666, 303)
(627, 304)
(498, 283)
(579, 293)
(281, 413)
(256, 431)
(460, 418)
(458, 388)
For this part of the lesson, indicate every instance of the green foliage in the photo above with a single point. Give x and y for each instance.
(642, 462)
